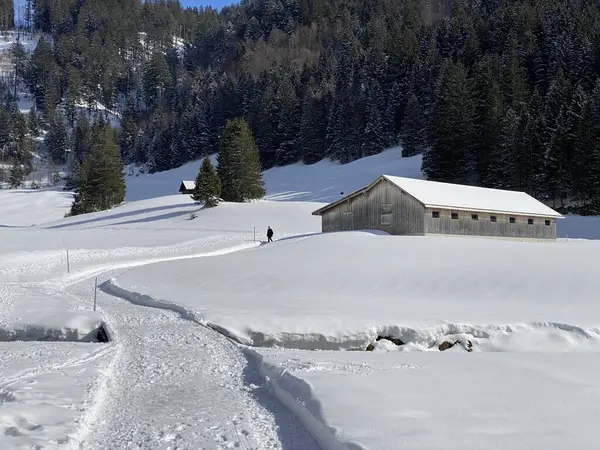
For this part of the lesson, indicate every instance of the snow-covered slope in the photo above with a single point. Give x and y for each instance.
(527, 310)
(321, 182)
(26, 207)
(341, 290)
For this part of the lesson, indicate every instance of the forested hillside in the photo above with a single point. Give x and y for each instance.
(501, 94)
(7, 15)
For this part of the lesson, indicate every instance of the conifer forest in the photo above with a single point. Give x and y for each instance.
(496, 93)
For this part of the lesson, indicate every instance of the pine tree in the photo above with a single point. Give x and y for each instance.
(129, 131)
(239, 164)
(81, 138)
(312, 129)
(208, 185)
(16, 175)
(157, 79)
(57, 139)
(414, 128)
(586, 150)
(100, 184)
(33, 122)
(489, 149)
(451, 157)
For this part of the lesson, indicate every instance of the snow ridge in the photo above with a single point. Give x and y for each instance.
(298, 396)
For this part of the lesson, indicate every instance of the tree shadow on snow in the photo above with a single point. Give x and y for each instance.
(122, 215)
(290, 430)
(166, 216)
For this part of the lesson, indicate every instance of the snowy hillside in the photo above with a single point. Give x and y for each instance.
(517, 323)
(320, 182)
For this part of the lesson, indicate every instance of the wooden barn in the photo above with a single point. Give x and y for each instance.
(412, 207)
(187, 187)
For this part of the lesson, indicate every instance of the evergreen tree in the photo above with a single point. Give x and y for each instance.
(157, 80)
(414, 128)
(81, 138)
(312, 129)
(451, 157)
(33, 122)
(239, 164)
(586, 150)
(208, 185)
(128, 132)
(57, 139)
(490, 153)
(100, 184)
(17, 175)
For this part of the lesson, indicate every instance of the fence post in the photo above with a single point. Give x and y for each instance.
(68, 267)
(95, 290)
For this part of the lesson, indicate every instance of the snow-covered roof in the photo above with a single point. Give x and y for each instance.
(434, 194)
(189, 184)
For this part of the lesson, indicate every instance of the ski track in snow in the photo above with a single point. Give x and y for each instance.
(173, 384)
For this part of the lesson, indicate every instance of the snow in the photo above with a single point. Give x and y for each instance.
(26, 207)
(35, 314)
(453, 400)
(471, 198)
(28, 39)
(340, 290)
(43, 389)
(172, 289)
(140, 396)
(320, 182)
(96, 109)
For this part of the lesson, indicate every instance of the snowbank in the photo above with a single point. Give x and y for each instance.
(31, 314)
(343, 290)
(454, 400)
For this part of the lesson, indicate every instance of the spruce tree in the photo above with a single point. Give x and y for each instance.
(208, 185)
(16, 175)
(57, 139)
(451, 157)
(414, 128)
(100, 184)
(239, 163)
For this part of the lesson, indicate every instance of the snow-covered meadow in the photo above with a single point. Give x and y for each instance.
(342, 290)
(525, 310)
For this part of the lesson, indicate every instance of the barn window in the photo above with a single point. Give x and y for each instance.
(512, 220)
(474, 217)
(455, 216)
(493, 219)
(547, 222)
(386, 214)
(529, 221)
(435, 214)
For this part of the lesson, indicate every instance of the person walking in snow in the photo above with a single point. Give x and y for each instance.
(269, 234)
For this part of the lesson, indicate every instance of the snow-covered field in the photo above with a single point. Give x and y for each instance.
(341, 290)
(44, 388)
(450, 400)
(525, 310)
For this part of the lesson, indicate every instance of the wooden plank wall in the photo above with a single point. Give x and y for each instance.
(384, 207)
(466, 226)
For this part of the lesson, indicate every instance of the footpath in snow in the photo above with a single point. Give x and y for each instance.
(164, 382)
(177, 384)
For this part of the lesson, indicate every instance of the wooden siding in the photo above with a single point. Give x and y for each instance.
(383, 207)
(466, 226)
